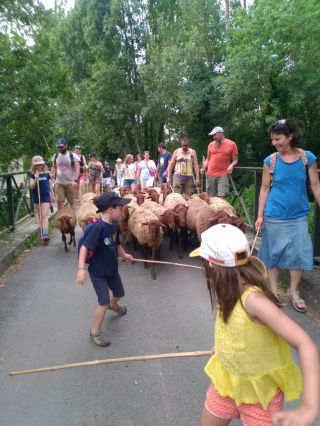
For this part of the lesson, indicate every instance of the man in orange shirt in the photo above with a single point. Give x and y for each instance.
(222, 156)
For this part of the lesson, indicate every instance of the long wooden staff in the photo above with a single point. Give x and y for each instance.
(254, 241)
(167, 263)
(112, 361)
(40, 210)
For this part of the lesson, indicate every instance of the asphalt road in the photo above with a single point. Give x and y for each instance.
(45, 319)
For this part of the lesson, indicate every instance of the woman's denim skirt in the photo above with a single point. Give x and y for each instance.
(286, 244)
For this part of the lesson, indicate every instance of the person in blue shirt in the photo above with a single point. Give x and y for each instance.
(163, 161)
(103, 240)
(284, 208)
(40, 181)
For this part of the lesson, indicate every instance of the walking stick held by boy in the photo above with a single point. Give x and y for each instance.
(103, 244)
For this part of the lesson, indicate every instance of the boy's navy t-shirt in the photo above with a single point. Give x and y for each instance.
(103, 239)
(164, 161)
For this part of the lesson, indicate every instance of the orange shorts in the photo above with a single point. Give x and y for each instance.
(250, 414)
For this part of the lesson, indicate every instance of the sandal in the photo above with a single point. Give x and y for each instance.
(297, 303)
(99, 339)
(119, 309)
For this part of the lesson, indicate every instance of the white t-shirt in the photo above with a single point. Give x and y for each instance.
(144, 172)
(129, 172)
(64, 172)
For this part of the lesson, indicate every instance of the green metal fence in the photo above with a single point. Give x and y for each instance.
(15, 200)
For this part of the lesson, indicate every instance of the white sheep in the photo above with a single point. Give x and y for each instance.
(217, 204)
(173, 199)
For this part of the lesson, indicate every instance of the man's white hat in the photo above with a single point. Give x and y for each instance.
(215, 130)
(223, 245)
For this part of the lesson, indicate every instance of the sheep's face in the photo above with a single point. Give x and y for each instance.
(181, 215)
(65, 224)
(169, 219)
(154, 228)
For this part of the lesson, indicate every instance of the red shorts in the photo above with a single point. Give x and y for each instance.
(250, 414)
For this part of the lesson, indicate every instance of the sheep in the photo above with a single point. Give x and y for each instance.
(87, 212)
(66, 222)
(207, 218)
(147, 230)
(216, 204)
(194, 205)
(173, 199)
(181, 228)
(88, 197)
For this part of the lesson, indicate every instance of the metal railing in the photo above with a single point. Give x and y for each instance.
(14, 198)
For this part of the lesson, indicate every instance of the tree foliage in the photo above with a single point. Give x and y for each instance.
(120, 76)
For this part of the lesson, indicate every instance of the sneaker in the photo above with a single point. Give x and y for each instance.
(46, 238)
(119, 309)
(99, 339)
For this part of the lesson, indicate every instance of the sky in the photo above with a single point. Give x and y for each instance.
(50, 4)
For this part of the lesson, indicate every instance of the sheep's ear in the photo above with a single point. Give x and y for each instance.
(145, 223)
(163, 226)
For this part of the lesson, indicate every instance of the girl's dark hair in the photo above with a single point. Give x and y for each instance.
(287, 128)
(226, 284)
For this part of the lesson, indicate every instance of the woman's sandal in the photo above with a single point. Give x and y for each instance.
(297, 303)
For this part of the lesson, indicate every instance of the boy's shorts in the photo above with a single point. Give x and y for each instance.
(250, 414)
(102, 286)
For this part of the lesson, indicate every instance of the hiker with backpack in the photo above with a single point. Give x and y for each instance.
(83, 171)
(284, 209)
(100, 247)
(66, 170)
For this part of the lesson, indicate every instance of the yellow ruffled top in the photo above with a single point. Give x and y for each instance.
(251, 362)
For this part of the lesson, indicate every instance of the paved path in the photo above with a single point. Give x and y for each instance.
(44, 320)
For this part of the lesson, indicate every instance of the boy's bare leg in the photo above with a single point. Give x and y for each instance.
(98, 317)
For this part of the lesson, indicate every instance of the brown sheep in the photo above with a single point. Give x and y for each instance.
(66, 222)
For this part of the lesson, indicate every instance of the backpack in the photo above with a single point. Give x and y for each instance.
(71, 159)
(304, 159)
(82, 239)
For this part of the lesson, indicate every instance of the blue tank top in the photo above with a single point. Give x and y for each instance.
(288, 198)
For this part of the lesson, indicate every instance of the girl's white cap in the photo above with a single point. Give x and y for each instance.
(223, 245)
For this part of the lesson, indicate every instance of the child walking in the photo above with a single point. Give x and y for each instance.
(40, 181)
(252, 369)
(103, 240)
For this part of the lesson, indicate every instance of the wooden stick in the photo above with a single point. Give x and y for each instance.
(112, 361)
(167, 263)
(254, 241)
(40, 209)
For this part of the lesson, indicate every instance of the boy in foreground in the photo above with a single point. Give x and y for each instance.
(103, 240)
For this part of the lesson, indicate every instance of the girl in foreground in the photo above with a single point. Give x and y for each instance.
(252, 369)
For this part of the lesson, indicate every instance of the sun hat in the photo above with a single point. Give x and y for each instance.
(110, 199)
(37, 160)
(61, 142)
(223, 245)
(215, 130)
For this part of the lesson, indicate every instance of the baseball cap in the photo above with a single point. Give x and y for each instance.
(77, 146)
(37, 160)
(109, 199)
(61, 142)
(215, 130)
(92, 154)
(223, 245)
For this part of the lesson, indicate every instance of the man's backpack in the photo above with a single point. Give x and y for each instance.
(71, 159)
(86, 232)
(304, 159)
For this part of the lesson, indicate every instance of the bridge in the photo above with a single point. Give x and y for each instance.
(45, 320)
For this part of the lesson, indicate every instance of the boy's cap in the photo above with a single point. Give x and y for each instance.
(110, 199)
(223, 245)
(37, 160)
(61, 142)
(77, 146)
(215, 130)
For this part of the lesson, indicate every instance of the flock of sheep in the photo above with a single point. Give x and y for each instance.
(152, 214)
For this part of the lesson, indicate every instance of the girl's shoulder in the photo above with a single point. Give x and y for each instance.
(31, 175)
(249, 290)
(310, 157)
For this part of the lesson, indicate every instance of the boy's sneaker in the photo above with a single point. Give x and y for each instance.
(46, 238)
(119, 309)
(99, 339)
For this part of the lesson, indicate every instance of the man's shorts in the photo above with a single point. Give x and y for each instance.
(65, 191)
(183, 186)
(218, 186)
(103, 284)
(250, 414)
